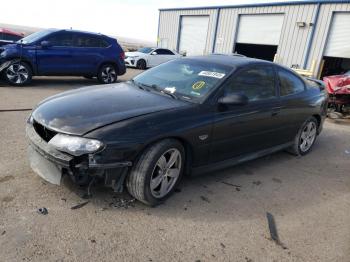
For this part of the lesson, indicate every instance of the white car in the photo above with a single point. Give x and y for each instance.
(148, 57)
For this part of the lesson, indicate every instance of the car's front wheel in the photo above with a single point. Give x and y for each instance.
(18, 74)
(157, 172)
(305, 138)
(141, 64)
(107, 74)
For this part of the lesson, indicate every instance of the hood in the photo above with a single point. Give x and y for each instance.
(82, 110)
(134, 54)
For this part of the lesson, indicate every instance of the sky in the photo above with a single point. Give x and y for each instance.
(137, 19)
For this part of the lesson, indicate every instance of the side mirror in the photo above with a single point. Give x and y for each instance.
(154, 53)
(45, 44)
(234, 99)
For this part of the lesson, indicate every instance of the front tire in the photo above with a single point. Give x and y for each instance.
(306, 137)
(141, 64)
(107, 74)
(18, 74)
(157, 172)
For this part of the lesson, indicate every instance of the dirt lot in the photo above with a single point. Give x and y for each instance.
(209, 220)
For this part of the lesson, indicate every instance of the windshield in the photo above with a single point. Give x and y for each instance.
(34, 37)
(188, 79)
(145, 50)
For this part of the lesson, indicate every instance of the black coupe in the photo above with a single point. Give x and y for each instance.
(191, 115)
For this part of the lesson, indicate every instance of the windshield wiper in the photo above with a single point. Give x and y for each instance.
(154, 87)
(167, 92)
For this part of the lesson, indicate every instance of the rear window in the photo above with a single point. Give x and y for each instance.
(289, 83)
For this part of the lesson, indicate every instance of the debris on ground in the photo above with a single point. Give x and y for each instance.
(3, 232)
(42, 211)
(238, 187)
(257, 183)
(79, 205)
(222, 245)
(6, 178)
(273, 230)
(122, 203)
(64, 199)
(205, 199)
(276, 180)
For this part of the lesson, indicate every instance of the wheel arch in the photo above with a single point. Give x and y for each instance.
(24, 60)
(108, 63)
(189, 152)
(319, 121)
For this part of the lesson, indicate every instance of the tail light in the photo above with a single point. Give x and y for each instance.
(122, 55)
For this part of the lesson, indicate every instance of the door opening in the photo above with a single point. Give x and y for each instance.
(265, 52)
(335, 66)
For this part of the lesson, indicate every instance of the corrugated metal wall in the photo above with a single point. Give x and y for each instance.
(322, 29)
(293, 42)
(169, 22)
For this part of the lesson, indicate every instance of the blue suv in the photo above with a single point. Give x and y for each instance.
(55, 52)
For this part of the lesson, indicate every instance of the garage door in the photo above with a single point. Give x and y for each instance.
(339, 36)
(193, 35)
(260, 29)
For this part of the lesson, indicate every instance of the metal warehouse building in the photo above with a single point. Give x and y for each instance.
(310, 35)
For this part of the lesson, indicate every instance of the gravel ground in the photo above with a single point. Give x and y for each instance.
(208, 219)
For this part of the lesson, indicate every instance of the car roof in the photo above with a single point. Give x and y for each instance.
(232, 60)
(76, 31)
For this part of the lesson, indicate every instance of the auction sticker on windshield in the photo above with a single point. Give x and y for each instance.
(211, 74)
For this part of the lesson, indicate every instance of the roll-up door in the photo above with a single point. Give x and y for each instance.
(193, 35)
(260, 29)
(338, 44)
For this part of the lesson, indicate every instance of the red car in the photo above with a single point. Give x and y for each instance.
(338, 88)
(8, 36)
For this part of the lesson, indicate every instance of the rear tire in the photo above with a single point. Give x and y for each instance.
(107, 74)
(305, 138)
(18, 74)
(141, 64)
(157, 172)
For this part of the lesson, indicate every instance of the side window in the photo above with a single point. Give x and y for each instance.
(257, 83)
(61, 39)
(87, 41)
(159, 51)
(168, 52)
(289, 83)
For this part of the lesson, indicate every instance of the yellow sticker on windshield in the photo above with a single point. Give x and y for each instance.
(198, 85)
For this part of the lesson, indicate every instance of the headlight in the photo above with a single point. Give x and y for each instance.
(74, 145)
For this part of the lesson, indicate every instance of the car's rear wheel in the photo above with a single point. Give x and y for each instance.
(157, 172)
(305, 138)
(18, 74)
(141, 64)
(107, 74)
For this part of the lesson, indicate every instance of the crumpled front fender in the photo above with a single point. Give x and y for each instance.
(6, 64)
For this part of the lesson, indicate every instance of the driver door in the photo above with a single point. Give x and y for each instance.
(157, 57)
(56, 59)
(244, 129)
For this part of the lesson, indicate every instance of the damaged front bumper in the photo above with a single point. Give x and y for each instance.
(51, 164)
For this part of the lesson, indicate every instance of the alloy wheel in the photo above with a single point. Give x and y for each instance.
(308, 136)
(165, 173)
(109, 75)
(17, 73)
